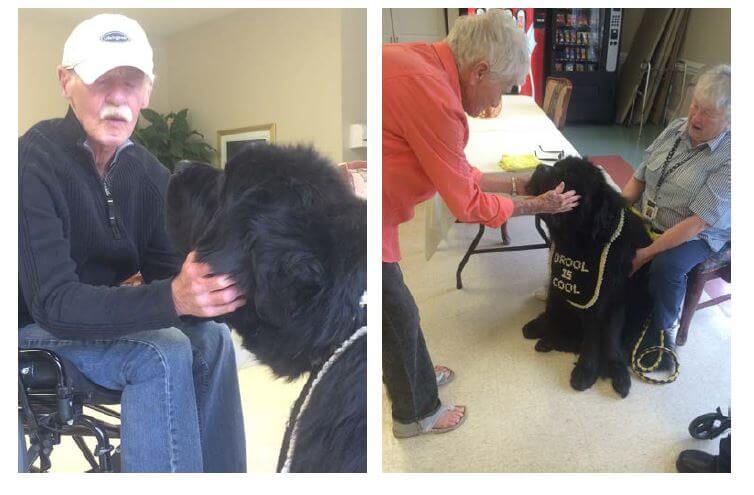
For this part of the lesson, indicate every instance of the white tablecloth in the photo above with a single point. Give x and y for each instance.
(520, 128)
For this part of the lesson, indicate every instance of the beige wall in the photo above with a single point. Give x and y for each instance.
(707, 37)
(263, 66)
(354, 83)
(40, 49)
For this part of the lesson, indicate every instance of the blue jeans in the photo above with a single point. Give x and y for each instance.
(181, 407)
(667, 279)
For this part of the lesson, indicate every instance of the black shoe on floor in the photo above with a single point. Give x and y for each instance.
(696, 461)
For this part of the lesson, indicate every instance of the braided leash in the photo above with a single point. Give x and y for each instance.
(641, 370)
(328, 364)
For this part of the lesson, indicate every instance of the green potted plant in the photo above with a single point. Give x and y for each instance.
(170, 139)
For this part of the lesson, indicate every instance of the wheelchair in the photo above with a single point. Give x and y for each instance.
(52, 397)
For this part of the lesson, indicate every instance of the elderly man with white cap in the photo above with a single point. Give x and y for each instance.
(91, 215)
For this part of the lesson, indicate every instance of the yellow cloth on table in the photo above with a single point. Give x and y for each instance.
(517, 163)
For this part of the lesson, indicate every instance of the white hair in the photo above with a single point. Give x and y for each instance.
(492, 37)
(713, 87)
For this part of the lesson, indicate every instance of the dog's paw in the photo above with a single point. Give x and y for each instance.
(544, 345)
(571, 346)
(563, 344)
(582, 378)
(535, 329)
(621, 381)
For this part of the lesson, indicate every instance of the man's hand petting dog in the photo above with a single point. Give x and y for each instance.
(552, 201)
(198, 292)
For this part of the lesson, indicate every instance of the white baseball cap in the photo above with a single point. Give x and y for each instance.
(104, 42)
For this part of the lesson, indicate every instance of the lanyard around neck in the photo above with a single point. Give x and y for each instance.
(665, 172)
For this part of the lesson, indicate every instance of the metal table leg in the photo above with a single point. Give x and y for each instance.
(506, 238)
(469, 252)
(472, 250)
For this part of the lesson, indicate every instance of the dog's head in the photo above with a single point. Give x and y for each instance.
(595, 217)
(292, 235)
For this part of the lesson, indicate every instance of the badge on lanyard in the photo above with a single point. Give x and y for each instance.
(650, 210)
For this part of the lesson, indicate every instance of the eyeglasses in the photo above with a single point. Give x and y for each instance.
(548, 155)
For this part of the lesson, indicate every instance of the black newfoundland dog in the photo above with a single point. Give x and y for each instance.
(593, 308)
(284, 224)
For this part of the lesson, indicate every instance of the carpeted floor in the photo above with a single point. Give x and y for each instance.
(523, 415)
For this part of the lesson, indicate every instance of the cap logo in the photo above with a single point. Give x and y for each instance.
(114, 36)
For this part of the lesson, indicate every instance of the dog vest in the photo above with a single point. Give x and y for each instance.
(578, 276)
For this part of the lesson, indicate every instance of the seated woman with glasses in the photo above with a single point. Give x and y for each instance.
(683, 188)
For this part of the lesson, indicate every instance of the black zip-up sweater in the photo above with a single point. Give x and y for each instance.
(80, 236)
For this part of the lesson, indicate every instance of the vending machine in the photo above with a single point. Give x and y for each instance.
(583, 46)
(534, 23)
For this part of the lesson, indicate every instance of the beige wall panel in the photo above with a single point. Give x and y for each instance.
(707, 37)
(354, 49)
(263, 66)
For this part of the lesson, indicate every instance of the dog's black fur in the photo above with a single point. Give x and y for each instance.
(291, 233)
(603, 334)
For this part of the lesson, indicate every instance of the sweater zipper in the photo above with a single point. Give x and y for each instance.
(109, 201)
(111, 209)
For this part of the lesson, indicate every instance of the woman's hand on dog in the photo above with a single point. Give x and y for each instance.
(640, 259)
(557, 201)
(198, 292)
(553, 201)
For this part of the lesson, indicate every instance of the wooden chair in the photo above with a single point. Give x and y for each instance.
(717, 266)
(557, 95)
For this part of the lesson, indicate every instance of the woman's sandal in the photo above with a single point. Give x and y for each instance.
(444, 375)
(426, 425)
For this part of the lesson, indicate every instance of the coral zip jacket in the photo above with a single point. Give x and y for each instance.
(424, 133)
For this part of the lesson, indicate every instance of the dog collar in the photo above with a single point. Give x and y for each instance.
(576, 277)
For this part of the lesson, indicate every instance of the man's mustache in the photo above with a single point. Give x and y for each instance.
(122, 112)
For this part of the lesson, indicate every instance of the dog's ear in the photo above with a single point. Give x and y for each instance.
(288, 272)
(274, 250)
(295, 278)
(278, 275)
(606, 206)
